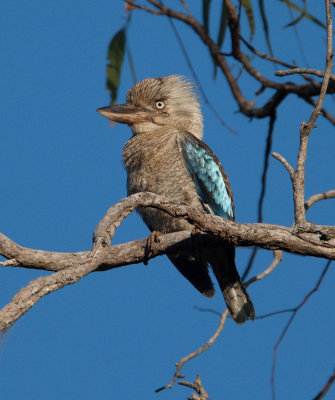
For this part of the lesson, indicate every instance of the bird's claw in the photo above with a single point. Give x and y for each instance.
(150, 245)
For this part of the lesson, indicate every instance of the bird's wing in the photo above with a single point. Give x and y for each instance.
(208, 175)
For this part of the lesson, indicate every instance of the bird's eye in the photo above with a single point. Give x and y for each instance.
(160, 104)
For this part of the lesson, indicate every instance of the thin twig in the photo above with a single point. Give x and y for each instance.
(325, 389)
(266, 165)
(294, 313)
(250, 263)
(288, 167)
(324, 112)
(311, 71)
(273, 313)
(265, 56)
(263, 186)
(317, 197)
(275, 60)
(184, 360)
(185, 5)
(277, 257)
(189, 357)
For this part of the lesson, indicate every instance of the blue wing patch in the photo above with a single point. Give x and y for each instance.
(208, 175)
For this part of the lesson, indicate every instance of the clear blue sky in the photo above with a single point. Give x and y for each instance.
(117, 335)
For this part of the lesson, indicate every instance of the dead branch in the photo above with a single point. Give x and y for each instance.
(277, 258)
(246, 107)
(223, 317)
(298, 176)
(294, 313)
(315, 240)
(195, 353)
(197, 387)
(317, 197)
(325, 389)
(311, 71)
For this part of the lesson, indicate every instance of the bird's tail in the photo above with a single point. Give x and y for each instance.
(238, 301)
(233, 290)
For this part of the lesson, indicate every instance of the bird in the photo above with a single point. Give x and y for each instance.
(166, 156)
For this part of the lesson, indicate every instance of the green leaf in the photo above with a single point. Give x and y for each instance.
(222, 32)
(246, 4)
(304, 13)
(301, 16)
(132, 65)
(265, 26)
(223, 25)
(115, 56)
(206, 4)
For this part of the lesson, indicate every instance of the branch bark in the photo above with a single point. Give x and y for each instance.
(318, 241)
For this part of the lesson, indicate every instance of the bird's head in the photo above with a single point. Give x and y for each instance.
(159, 102)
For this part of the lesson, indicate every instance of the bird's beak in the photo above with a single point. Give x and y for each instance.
(126, 113)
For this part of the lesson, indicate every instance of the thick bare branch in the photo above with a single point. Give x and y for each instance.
(273, 237)
(37, 288)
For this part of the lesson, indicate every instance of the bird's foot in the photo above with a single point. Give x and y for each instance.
(149, 250)
(195, 231)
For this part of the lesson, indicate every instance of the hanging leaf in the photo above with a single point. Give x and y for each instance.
(132, 65)
(115, 56)
(301, 16)
(222, 32)
(223, 25)
(303, 12)
(265, 26)
(206, 4)
(246, 4)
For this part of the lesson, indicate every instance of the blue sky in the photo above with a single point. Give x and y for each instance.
(117, 334)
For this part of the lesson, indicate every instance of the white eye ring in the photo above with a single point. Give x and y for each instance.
(160, 104)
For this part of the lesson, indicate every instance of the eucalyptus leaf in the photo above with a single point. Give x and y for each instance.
(265, 26)
(246, 4)
(115, 56)
(303, 12)
(206, 4)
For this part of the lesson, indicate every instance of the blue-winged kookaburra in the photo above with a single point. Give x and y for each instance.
(167, 156)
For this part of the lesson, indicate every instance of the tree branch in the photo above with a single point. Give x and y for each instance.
(317, 197)
(294, 313)
(325, 389)
(318, 241)
(305, 129)
(197, 387)
(245, 106)
(315, 72)
(195, 353)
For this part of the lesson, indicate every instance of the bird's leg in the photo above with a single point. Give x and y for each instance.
(149, 249)
(195, 235)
